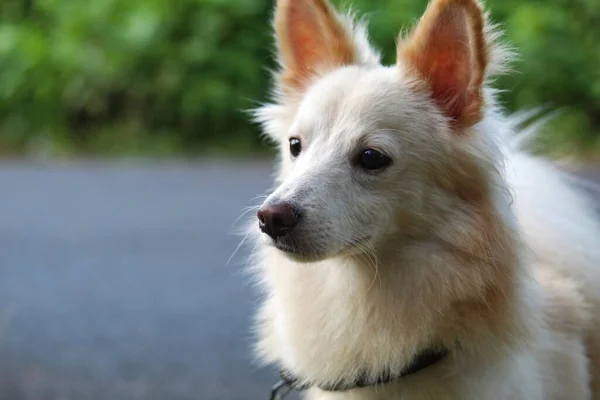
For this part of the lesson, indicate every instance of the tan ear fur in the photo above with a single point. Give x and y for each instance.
(448, 50)
(311, 38)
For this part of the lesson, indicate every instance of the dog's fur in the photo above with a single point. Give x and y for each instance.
(464, 242)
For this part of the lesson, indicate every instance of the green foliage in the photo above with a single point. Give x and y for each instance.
(118, 75)
(164, 76)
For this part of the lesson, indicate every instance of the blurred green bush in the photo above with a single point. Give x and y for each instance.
(170, 76)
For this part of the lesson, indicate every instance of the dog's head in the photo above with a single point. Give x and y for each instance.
(371, 151)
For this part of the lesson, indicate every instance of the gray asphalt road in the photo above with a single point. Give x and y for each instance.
(114, 284)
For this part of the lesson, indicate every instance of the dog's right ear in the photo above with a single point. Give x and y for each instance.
(312, 39)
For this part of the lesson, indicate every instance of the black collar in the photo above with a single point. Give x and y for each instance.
(421, 361)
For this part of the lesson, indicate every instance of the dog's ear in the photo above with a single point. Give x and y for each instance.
(448, 51)
(311, 38)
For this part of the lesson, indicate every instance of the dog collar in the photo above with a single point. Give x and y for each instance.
(291, 382)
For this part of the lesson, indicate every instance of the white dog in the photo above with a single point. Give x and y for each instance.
(408, 251)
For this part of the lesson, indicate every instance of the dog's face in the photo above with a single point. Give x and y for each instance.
(369, 151)
(350, 157)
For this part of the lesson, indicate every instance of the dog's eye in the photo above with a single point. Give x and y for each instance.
(295, 147)
(373, 160)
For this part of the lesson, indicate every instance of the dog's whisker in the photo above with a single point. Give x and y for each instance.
(244, 213)
(259, 197)
(367, 253)
(252, 254)
(239, 246)
(373, 254)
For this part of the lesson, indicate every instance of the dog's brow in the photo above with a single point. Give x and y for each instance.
(380, 138)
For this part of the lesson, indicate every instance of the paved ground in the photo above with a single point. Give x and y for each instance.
(114, 284)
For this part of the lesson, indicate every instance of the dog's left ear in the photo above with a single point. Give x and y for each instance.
(448, 51)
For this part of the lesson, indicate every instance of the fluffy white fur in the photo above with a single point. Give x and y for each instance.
(464, 241)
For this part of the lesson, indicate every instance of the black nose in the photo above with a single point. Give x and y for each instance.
(277, 219)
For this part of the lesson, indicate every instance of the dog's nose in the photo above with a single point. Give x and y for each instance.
(277, 219)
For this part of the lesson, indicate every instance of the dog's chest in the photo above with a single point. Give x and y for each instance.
(327, 324)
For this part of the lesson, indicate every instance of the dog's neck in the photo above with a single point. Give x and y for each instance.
(422, 360)
(339, 319)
